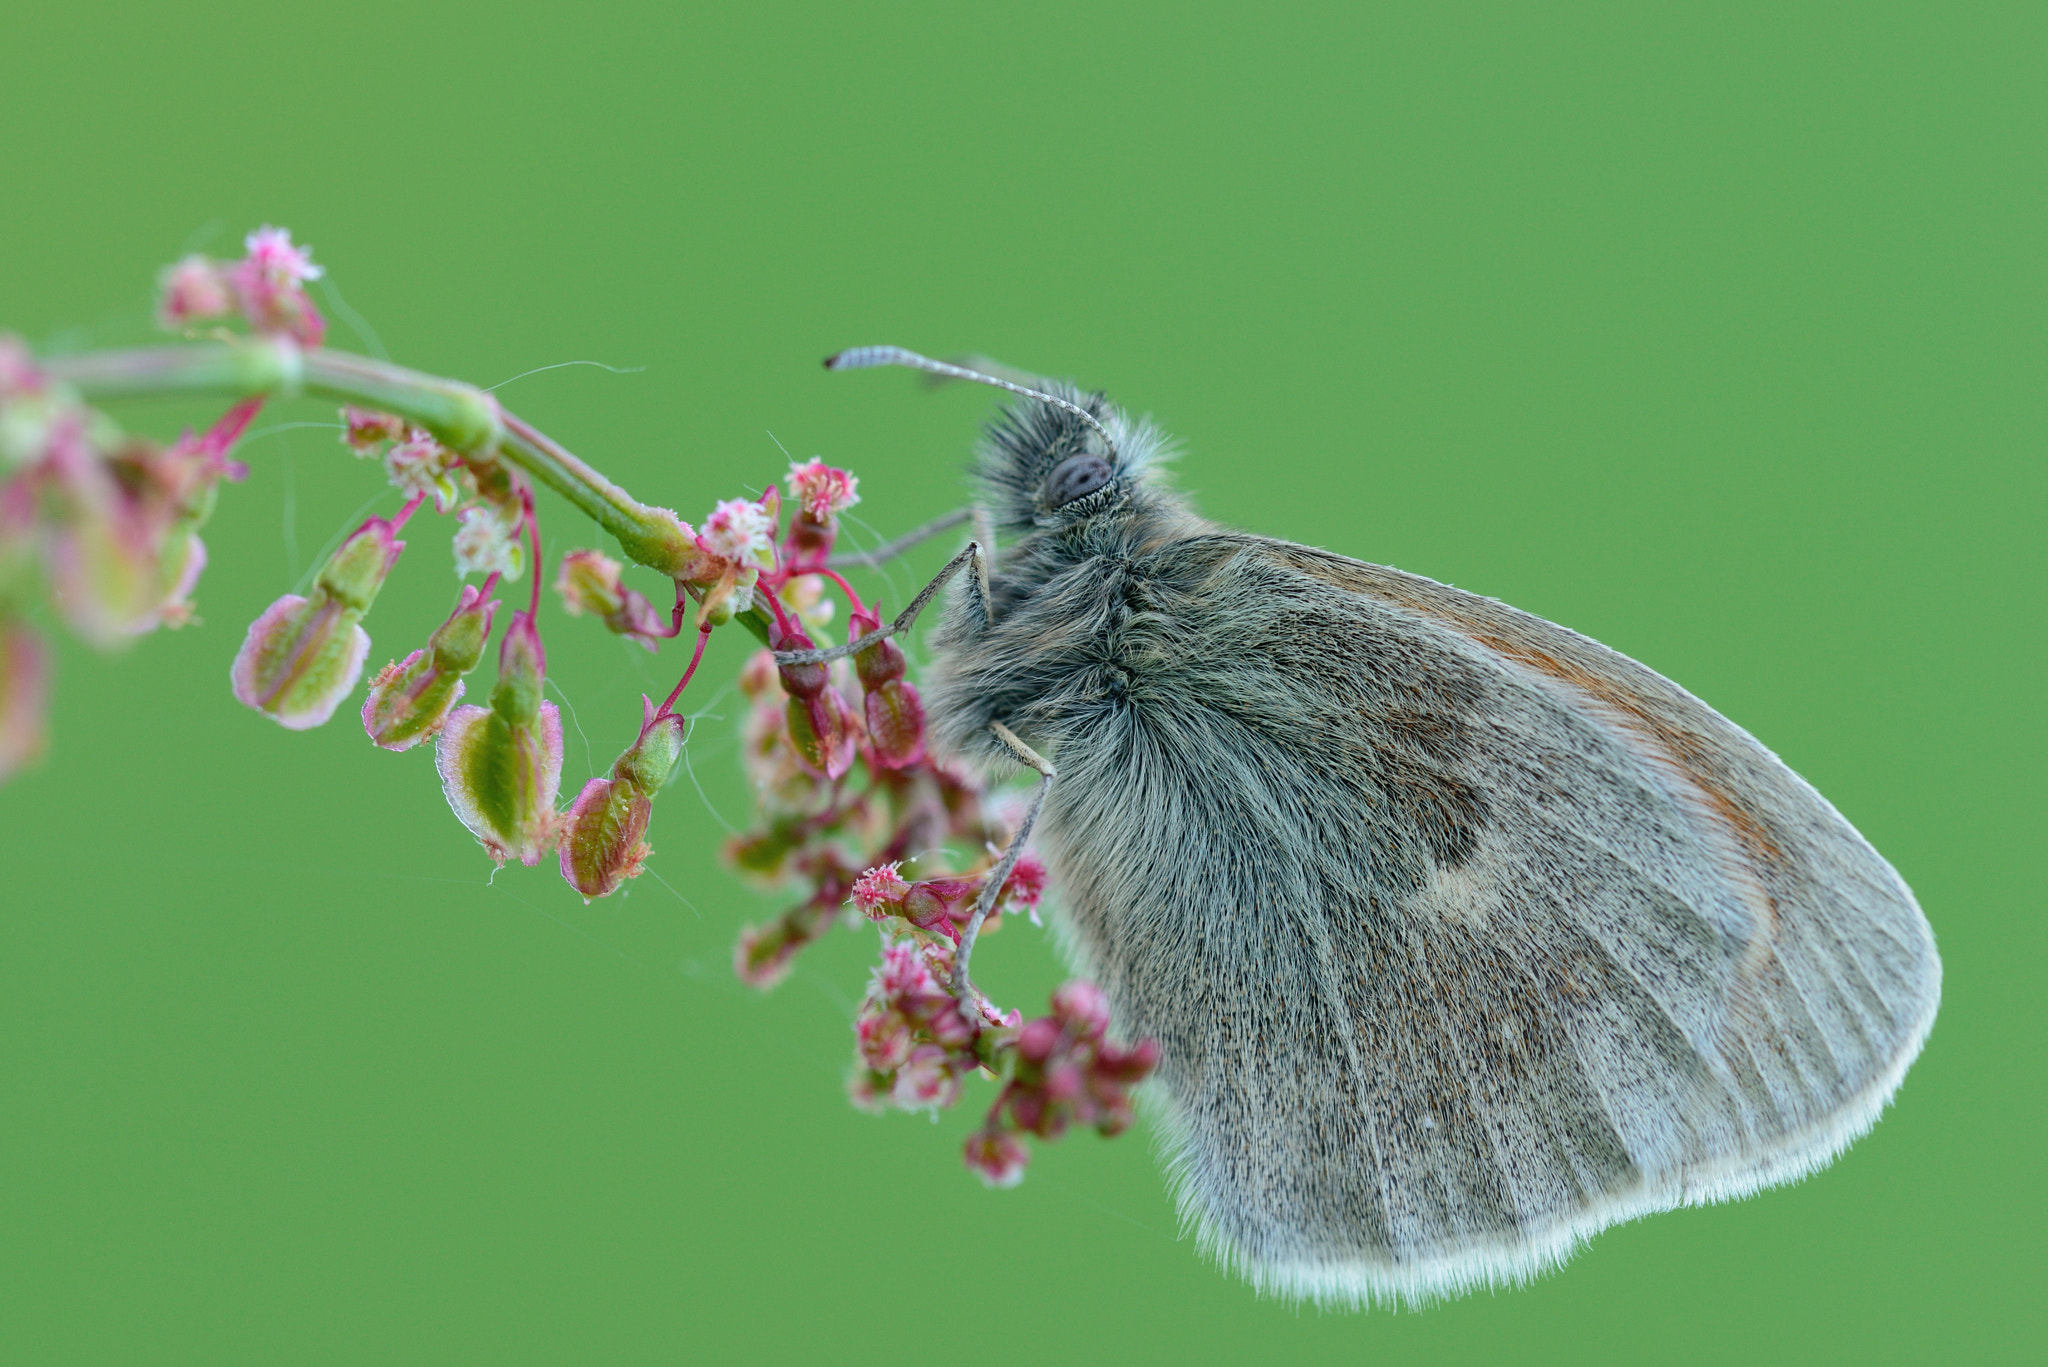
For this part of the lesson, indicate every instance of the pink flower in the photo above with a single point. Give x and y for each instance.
(881, 1037)
(740, 532)
(880, 891)
(1080, 1006)
(193, 289)
(820, 490)
(927, 1080)
(903, 972)
(268, 284)
(996, 1157)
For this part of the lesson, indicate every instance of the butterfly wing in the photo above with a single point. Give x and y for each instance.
(1463, 935)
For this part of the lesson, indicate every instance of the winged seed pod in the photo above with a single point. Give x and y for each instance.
(603, 830)
(303, 655)
(501, 766)
(410, 699)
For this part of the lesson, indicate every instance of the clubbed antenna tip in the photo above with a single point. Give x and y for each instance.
(865, 357)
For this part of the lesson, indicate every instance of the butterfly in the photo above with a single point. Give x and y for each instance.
(1463, 936)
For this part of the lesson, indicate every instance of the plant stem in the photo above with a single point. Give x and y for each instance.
(460, 416)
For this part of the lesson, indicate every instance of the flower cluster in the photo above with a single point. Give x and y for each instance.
(100, 529)
(266, 288)
(99, 525)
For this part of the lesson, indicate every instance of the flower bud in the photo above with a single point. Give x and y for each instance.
(24, 694)
(820, 723)
(890, 702)
(589, 582)
(303, 655)
(998, 1158)
(409, 700)
(501, 766)
(602, 830)
(1080, 1006)
(193, 289)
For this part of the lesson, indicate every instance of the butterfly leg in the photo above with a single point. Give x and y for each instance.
(978, 588)
(963, 986)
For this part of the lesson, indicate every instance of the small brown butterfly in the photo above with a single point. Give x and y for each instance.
(1462, 935)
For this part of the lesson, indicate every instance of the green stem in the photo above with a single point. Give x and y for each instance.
(461, 417)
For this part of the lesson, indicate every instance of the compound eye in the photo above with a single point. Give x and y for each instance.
(1076, 477)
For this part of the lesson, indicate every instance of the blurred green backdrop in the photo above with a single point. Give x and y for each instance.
(1712, 331)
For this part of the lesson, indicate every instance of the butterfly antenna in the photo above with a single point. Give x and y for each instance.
(863, 357)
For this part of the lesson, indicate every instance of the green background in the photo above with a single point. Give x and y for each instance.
(1714, 332)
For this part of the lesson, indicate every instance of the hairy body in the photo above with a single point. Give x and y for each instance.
(1463, 936)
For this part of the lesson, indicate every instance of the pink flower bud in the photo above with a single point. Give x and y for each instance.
(903, 972)
(1080, 1006)
(996, 1157)
(193, 289)
(892, 708)
(882, 1038)
(820, 723)
(602, 830)
(268, 284)
(303, 655)
(1038, 1038)
(759, 680)
(927, 1080)
(501, 766)
(410, 700)
(589, 582)
(24, 694)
